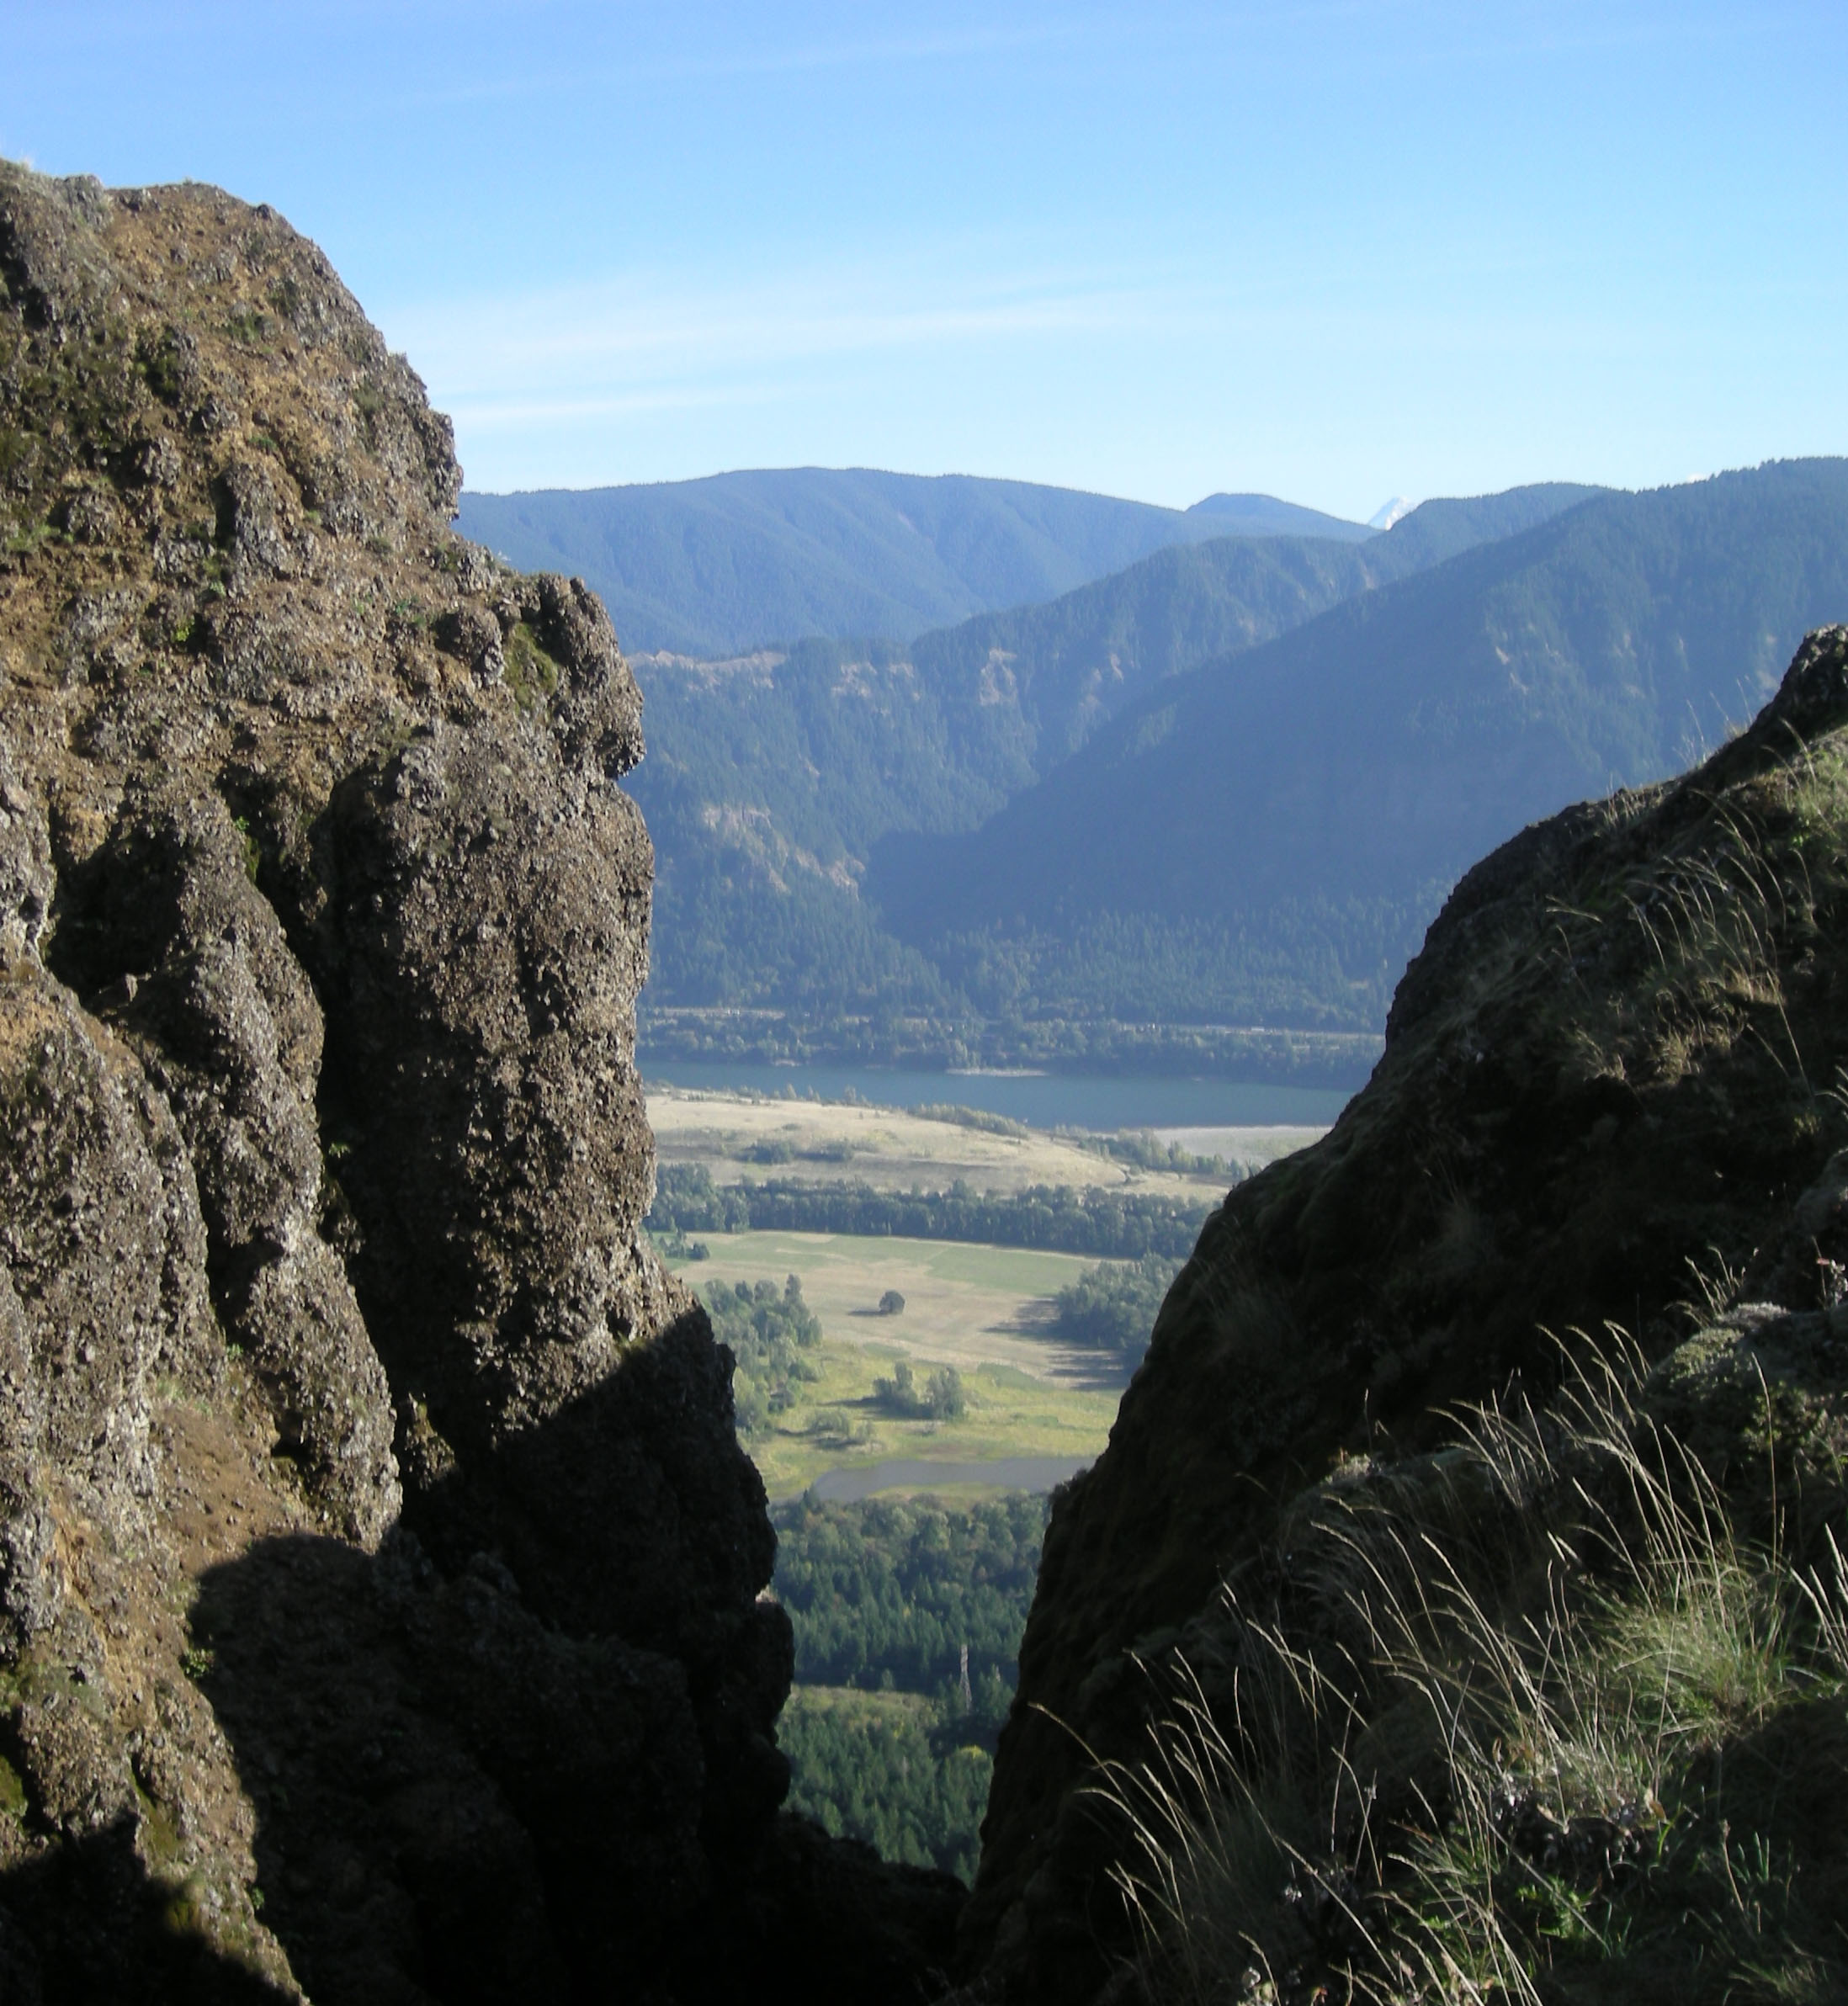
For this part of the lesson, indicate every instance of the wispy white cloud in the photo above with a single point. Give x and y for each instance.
(653, 341)
(731, 60)
(654, 337)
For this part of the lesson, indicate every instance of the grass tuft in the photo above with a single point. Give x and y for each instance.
(1535, 1723)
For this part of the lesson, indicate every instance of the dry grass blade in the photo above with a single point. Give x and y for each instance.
(1561, 1610)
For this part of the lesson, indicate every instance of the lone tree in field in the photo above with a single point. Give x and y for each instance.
(944, 1399)
(940, 1398)
(891, 1304)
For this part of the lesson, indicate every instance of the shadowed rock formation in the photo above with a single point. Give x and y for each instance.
(1611, 1095)
(379, 1571)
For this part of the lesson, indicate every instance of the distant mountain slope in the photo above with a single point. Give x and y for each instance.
(1264, 515)
(718, 566)
(770, 776)
(1275, 829)
(1069, 665)
(1444, 527)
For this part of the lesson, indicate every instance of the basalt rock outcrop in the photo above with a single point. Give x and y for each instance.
(379, 1576)
(1610, 1098)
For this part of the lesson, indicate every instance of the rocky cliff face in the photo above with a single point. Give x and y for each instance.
(1612, 1094)
(379, 1572)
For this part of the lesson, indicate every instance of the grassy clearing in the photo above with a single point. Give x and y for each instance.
(1249, 1149)
(892, 1150)
(965, 1305)
(838, 1422)
(983, 1310)
(986, 1311)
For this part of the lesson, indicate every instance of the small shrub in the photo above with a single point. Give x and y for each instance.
(944, 1399)
(253, 855)
(941, 1397)
(831, 1429)
(898, 1393)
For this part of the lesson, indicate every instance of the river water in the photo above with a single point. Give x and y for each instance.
(1046, 1099)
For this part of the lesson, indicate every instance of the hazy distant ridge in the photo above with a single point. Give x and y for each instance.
(718, 566)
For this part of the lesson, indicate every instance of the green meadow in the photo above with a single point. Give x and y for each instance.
(839, 1422)
(984, 1311)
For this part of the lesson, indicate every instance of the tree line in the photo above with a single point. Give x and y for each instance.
(1113, 1307)
(886, 1595)
(904, 1782)
(1109, 1224)
(768, 1330)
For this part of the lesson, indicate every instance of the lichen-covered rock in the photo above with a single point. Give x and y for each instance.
(379, 1573)
(485, 938)
(29, 1579)
(102, 1244)
(1609, 1092)
(26, 880)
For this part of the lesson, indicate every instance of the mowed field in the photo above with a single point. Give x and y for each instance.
(840, 1426)
(888, 1148)
(965, 1305)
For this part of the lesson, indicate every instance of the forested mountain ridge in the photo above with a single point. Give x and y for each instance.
(736, 561)
(1283, 822)
(1069, 665)
(771, 777)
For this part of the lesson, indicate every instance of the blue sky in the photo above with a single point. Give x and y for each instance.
(1336, 252)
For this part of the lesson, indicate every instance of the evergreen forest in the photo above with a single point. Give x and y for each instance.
(885, 1742)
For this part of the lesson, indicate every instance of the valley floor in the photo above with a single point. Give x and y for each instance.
(988, 1312)
(840, 1422)
(965, 1305)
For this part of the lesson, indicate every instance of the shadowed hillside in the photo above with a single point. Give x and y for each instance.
(773, 775)
(1280, 825)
